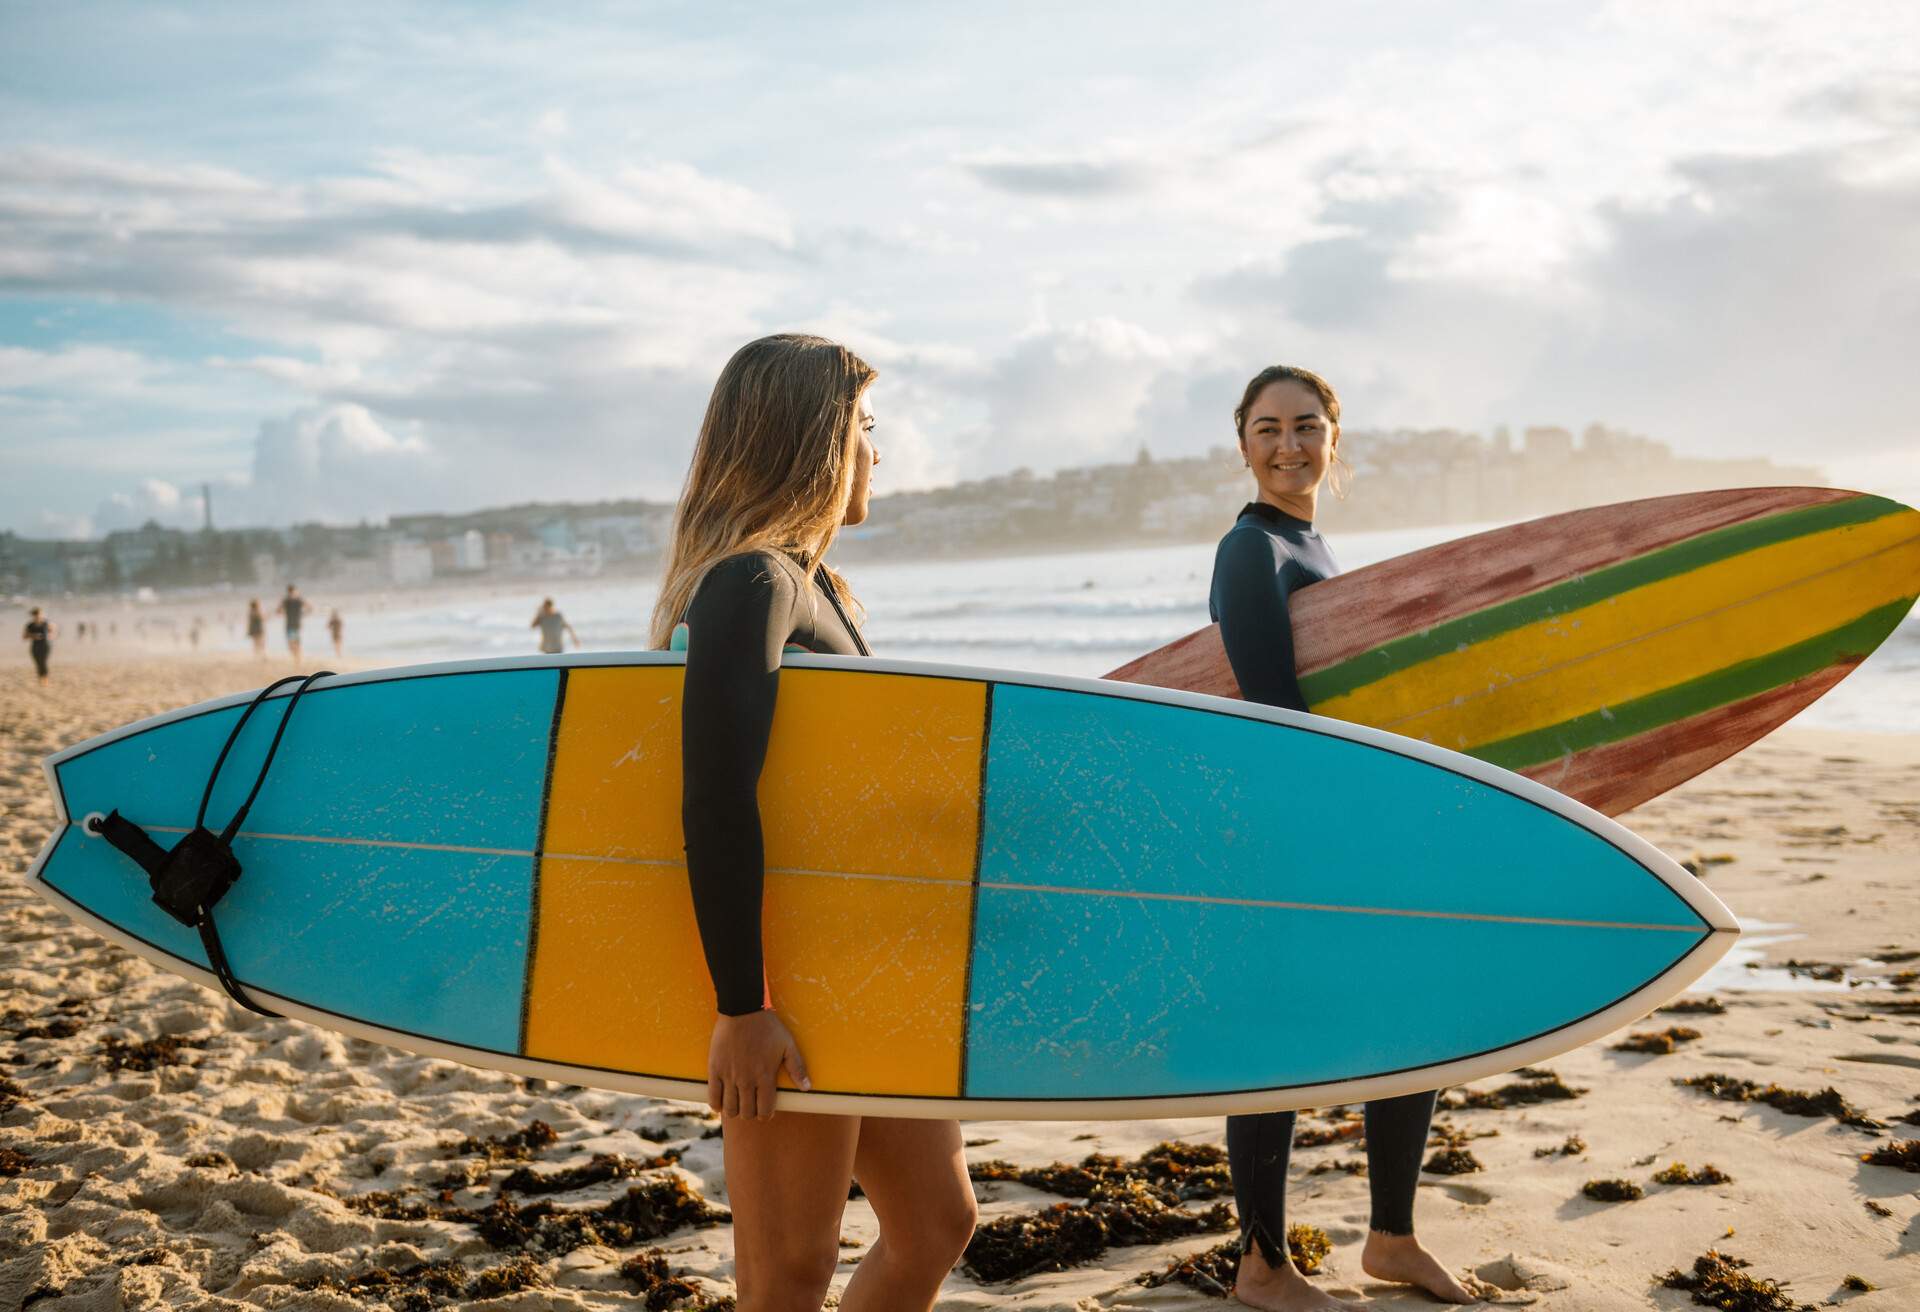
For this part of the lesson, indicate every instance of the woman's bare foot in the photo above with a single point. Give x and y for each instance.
(1281, 1288)
(1404, 1260)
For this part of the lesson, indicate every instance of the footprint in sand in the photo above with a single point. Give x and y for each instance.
(1472, 1195)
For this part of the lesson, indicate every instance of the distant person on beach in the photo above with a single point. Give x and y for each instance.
(1289, 428)
(336, 627)
(294, 607)
(552, 624)
(257, 628)
(38, 635)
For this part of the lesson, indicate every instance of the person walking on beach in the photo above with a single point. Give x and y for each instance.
(257, 629)
(336, 628)
(784, 459)
(552, 624)
(39, 635)
(1289, 428)
(294, 607)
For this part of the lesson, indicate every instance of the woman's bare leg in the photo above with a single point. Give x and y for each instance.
(915, 1175)
(787, 1183)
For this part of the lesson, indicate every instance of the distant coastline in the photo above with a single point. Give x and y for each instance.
(1402, 478)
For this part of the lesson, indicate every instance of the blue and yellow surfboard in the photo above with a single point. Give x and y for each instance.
(1009, 895)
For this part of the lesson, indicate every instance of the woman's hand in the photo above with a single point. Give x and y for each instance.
(744, 1061)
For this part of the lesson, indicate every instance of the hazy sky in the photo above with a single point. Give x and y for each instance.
(346, 260)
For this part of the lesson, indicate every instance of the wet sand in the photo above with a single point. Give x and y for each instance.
(161, 1147)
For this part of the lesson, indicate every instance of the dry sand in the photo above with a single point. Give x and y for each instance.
(216, 1179)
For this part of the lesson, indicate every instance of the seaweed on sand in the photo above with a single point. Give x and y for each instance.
(1902, 1153)
(646, 1211)
(1452, 1161)
(147, 1055)
(520, 1146)
(1573, 1147)
(1354, 1130)
(1612, 1191)
(1657, 1042)
(1177, 1171)
(1212, 1271)
(1696, 1007)
(602, 1168)
(655, 1278)
(1067, 1234)
(1677, 1173)
(1795, 1102)
(406, 1289)
(1534, 1086)
(1719, 1281)
(12, 1162)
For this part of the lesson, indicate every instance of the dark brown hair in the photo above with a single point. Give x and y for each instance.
(1286, 373)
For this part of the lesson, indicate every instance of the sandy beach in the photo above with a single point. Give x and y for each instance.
(161, 1147)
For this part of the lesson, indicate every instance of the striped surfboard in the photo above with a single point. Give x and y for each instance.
(1005, 895)
(1611, 653)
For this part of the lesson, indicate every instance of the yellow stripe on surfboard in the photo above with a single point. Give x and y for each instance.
(1644, 640)
(866, 774)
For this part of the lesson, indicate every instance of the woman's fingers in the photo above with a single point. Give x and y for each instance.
(763, 1094)
(732, 1107)
(797, 1065)
(715, 1094)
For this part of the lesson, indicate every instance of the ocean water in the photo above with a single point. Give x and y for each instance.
(1080, 613)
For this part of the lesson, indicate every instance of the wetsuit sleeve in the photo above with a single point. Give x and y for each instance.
(736, 627)
(1250, 592)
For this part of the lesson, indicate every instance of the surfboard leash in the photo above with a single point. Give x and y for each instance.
(190, 880)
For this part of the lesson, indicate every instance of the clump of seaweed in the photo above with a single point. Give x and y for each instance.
(1795, 1102)
(517, 1273)
(406, 1289)
(1350, 1128)
(1657, 1042)
(602, 1168)
(645, 1212)
(1696, 1007)
(1213, 1271)
(1066, 1234)
(1535, 1086)
(147, 1055)
(13, 1162)
(1348, 1165)
(1903, 1153)
(1677, 1173)
(1612, 1191)
(1859, 1284)
(520, 1146)
(650, 1272)
(1878, 1208)
(1573, 1147)
(1719, 1281)
(1177, 1171)
(1452, 1161)
(1448, 1135)
(211, 1161)
(1826, 971)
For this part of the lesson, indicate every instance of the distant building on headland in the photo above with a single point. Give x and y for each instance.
(1402, 478)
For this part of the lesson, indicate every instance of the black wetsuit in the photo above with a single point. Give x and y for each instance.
(746, 612)
(40, 645)
(1265, 557)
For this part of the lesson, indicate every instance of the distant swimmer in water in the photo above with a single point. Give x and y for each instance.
(38, 635)
(335, 628)
(294, 607)
(552, 624)
(257, 628)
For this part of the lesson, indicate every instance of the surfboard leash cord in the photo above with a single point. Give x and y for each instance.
(190, 880)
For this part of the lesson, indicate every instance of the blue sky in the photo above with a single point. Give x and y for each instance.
(348, 260)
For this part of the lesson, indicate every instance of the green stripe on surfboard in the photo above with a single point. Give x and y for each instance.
(1851, 641)
(1704, 549)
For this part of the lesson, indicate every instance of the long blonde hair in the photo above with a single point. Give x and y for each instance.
(772, 468)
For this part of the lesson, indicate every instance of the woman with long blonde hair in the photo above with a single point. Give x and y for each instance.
(784, 459)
